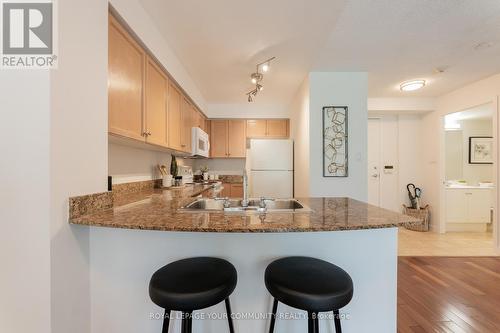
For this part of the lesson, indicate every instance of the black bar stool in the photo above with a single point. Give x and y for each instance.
(192, 284)
(308, 284)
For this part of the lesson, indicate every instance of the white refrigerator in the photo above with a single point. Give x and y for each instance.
(270, 168)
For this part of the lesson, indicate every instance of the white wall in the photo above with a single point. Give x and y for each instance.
(24, 201)
(220, 166)
(344, 89)
(454, 155)
(78, 160)
(299, 133)
(389, 155)
(410, 136)
(247, 110)
(130, 164)
(398, 105)
(136, 17)
(478, 93)
(59, 122)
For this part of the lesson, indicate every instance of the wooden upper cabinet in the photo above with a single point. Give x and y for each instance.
(174, 117)
(201, 120)
(126, 62)
(186, 124)
(277, 128)
(236, 142)
(218, 138)
(267, 128)
(207, 126)
(156, 89)
(256, 128)
(195, 117)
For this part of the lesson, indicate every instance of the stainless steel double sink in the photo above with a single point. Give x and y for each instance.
(235, 205)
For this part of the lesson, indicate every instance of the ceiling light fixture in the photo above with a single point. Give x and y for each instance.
(412, 85)
(257, 77)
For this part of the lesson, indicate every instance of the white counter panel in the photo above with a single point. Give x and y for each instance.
(122, 262)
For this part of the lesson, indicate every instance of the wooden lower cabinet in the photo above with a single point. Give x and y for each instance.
(236, 191)
(232, 190)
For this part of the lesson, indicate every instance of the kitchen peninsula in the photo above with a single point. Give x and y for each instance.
(130, 245)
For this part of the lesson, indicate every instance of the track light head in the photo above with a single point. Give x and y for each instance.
(257, 77)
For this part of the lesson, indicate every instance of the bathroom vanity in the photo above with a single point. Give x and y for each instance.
(468, 208)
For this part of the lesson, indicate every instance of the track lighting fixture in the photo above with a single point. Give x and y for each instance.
(257, 77)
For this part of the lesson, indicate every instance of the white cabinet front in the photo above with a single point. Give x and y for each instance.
(468, 205)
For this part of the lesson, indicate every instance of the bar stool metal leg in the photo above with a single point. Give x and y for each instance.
(336, 319)
(166, 321)
(273, 315)
(312, 322)
(187, 322)
(229, 317)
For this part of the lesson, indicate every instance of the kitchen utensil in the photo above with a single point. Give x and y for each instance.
(161, 170)
(165, 170)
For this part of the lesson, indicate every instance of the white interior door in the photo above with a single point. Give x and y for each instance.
(374, 161)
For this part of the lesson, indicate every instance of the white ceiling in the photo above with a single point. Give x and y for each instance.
(220, 41)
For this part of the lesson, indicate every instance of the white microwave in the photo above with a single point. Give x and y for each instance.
(200, 146)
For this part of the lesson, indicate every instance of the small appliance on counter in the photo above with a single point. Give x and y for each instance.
(186, 172)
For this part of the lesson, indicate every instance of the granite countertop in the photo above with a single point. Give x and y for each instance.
(158, 209)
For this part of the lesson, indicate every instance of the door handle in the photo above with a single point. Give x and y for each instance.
(375, 175)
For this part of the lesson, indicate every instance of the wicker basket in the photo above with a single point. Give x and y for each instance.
(422, 214)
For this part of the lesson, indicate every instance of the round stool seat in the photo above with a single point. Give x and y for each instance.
(309, 284)
(193, 283)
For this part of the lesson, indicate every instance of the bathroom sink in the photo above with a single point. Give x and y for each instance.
(234, 205)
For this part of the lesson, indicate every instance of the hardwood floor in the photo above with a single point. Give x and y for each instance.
(449, 294)
(414, 243)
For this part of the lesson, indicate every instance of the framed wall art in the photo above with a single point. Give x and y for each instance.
(480, 150)
(335, 159)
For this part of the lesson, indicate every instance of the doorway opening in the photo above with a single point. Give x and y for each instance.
(469, 189)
